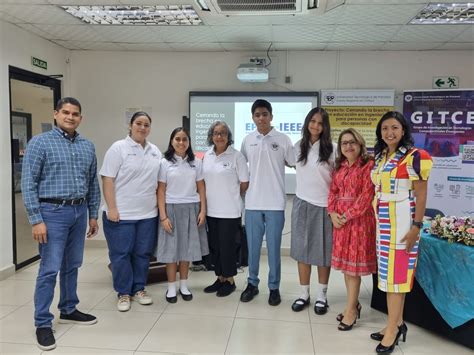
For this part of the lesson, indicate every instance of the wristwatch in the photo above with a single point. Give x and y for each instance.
(419, 225)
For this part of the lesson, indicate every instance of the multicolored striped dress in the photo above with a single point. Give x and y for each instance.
(395, 208)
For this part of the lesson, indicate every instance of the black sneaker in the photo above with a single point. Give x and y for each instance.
(214, 287)
(45, 339)
(249, 293)
(274, 299)
(226, 289)
(77, 317)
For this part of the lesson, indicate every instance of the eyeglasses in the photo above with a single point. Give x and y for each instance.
(219, 134)
(348, 143)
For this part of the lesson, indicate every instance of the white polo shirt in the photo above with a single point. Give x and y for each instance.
(180, 178)
(223, 175)
(135, 170)
(314, 178)
(266, 155)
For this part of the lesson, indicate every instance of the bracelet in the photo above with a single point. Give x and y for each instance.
(163, 219)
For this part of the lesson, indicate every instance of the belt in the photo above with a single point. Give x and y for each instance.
(57, 201)
(401, 196)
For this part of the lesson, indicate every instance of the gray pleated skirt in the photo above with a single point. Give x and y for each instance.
(187, 242)
(311, 234)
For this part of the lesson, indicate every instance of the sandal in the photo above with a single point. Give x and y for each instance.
(300, 304)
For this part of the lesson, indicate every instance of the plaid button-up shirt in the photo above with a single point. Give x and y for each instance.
(58, 166)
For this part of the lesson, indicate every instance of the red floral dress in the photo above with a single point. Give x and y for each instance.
(351, 193)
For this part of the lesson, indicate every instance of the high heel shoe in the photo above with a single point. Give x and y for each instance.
(345, 327)
(379, 336)
(340, 316)
(382, 349)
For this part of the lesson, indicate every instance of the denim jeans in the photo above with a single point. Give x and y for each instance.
(270, 223)
(63, 252)
(131, 244)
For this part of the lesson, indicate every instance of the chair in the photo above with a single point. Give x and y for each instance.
(432, 213)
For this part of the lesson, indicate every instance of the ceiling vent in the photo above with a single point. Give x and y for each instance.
(261, 7)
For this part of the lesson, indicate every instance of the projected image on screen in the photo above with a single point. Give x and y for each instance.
(289, 112)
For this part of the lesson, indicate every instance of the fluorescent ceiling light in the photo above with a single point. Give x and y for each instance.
(136, 15)
(203, 5)
(445, 13)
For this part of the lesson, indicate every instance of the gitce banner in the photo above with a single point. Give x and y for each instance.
(443, 124)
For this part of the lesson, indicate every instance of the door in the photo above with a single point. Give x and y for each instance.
(32, 98)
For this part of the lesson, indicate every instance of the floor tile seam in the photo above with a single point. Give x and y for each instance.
(199, 315)
(10, 312)
(148, 332)
(311, 330)
(273, 320)
(101, 300)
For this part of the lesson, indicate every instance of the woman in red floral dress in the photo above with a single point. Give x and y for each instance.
(352, 215)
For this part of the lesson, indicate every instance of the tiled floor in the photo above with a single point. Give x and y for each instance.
(207, 324)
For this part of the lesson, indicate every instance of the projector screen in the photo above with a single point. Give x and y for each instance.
(289, 112)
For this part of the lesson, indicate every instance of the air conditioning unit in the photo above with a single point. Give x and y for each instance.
(262, 7)
(253, 72)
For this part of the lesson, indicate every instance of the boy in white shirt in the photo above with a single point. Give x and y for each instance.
(267, 152)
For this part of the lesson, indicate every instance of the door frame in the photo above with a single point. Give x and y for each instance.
(34, 78)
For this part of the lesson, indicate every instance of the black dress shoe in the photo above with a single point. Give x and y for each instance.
(274, 299)
(379, 336)
(321, 307)
(382, 349)
(249, 293)
(300, 304)
(186, 297)
(173, 299)
(226, 289)
(214, 287)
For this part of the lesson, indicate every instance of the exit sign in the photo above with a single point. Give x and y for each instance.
(445, 82)
(39, 63)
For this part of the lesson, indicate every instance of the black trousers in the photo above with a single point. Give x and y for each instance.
(223, 234)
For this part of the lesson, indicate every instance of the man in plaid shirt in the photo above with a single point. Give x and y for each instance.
(61, 195)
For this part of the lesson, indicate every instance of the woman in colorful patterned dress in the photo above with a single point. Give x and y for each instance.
(352, 214)
(400, 175)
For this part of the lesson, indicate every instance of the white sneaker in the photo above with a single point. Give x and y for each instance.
(142, 298)
(123, 304)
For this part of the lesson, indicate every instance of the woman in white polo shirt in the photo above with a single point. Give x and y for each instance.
(311, 227)
(130, 179)
(226, 176)
(182, 203)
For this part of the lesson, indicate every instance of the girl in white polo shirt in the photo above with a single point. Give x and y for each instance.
(130, 178)
(311, 227)
(182, 203)
(226, 175)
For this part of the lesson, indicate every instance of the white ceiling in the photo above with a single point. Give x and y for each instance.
(354, 25)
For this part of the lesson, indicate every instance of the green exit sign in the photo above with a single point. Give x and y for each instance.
(39, 63)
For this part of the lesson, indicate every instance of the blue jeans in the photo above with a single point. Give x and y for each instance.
(270, 223)
(63, 252)
(131, 244)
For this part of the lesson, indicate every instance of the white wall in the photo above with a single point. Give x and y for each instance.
(16, 49)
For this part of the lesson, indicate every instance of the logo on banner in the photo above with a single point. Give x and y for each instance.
(329, 98)
(408, 98)
(455, 190)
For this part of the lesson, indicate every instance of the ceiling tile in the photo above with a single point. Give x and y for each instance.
(292, 46)
(249, 46)
(329, 17)
(145, 46)
(70, 33)
(242, 34)
(427, 33)
(410, 46)
(302, 34)
(130, 33)
(466, 36)
(213, 19)
(196, 47)
(67, 44)
(354, 46)
(41, 14)
(363, 33)
(378, 14)
(9, 18)
(97, 46)
(188, 34)
(34, 29)
(382, 2)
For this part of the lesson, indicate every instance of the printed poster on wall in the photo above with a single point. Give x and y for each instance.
(443, 124)
(359, 109)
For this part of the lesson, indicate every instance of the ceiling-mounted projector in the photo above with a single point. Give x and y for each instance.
(253, 72)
